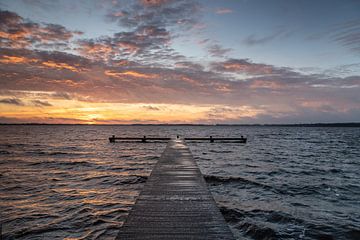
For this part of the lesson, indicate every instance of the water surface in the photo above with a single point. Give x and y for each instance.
(69, 182)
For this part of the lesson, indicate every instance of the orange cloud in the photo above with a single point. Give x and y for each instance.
(247, 68)
(153, 3)
(266, 84)
(15, 60)
(67, 82)
(60, 66)
(17, 32)
(130, 74)
(243, 66)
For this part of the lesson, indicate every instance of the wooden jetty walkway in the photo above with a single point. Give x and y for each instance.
(175, 202)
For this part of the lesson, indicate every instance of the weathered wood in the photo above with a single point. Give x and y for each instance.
(175, 202)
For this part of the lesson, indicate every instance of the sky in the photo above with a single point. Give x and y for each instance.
(184, 61)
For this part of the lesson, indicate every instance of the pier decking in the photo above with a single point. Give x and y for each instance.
(175, 202)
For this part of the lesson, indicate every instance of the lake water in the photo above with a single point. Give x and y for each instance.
(69, 182)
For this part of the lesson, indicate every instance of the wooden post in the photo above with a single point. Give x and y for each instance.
(211, 139)
(144, 139)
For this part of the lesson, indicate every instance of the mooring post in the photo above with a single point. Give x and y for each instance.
(143, 139)
(112, 139)
(211, 139)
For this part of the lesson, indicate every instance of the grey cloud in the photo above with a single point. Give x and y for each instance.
(189, 65)
(39, 103)
(243, 66)
(181, 13)
(218, 51)
(152, 108)
(140, 41)
(61, 95)
(12, 101)
(348, 35)
(254, 39)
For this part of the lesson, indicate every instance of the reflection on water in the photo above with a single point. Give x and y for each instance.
(69, 182)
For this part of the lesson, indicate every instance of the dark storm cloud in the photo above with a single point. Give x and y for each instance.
(17, 32)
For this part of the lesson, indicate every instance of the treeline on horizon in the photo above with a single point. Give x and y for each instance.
(349, 124)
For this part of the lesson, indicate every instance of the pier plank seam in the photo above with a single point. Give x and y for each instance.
(175, 202)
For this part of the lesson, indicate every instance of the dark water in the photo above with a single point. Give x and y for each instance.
(69, 182)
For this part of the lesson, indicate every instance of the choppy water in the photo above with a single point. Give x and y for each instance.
(69, 182)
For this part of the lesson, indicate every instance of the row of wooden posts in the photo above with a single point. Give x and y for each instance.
(211, 139)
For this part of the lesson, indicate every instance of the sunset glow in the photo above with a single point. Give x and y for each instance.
(123, 62)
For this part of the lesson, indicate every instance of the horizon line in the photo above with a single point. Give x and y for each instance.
(349, 124)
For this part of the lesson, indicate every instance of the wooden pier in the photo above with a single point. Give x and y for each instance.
(175, 202)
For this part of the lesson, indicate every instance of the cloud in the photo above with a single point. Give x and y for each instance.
(157, 13)
(12, 101)
(253, 39)
(39, 103)
(61, 95)
(218, 51)
(151, 108)
(348, 35)
(187, 65)
(138, 42)
(154, 3)
(16, 32)
(221, 11)
(244, 66)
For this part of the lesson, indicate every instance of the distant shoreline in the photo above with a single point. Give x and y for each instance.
(350, 124)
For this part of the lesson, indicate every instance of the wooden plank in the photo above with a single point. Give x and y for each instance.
(175, 202)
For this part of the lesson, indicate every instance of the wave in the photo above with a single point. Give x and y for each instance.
(65, 163)
(285, 189)
(263, 224)
(131, 180)
(216, 180)
(239, 219)
(51, 153)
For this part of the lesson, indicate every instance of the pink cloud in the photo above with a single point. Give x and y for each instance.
(223, 11)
